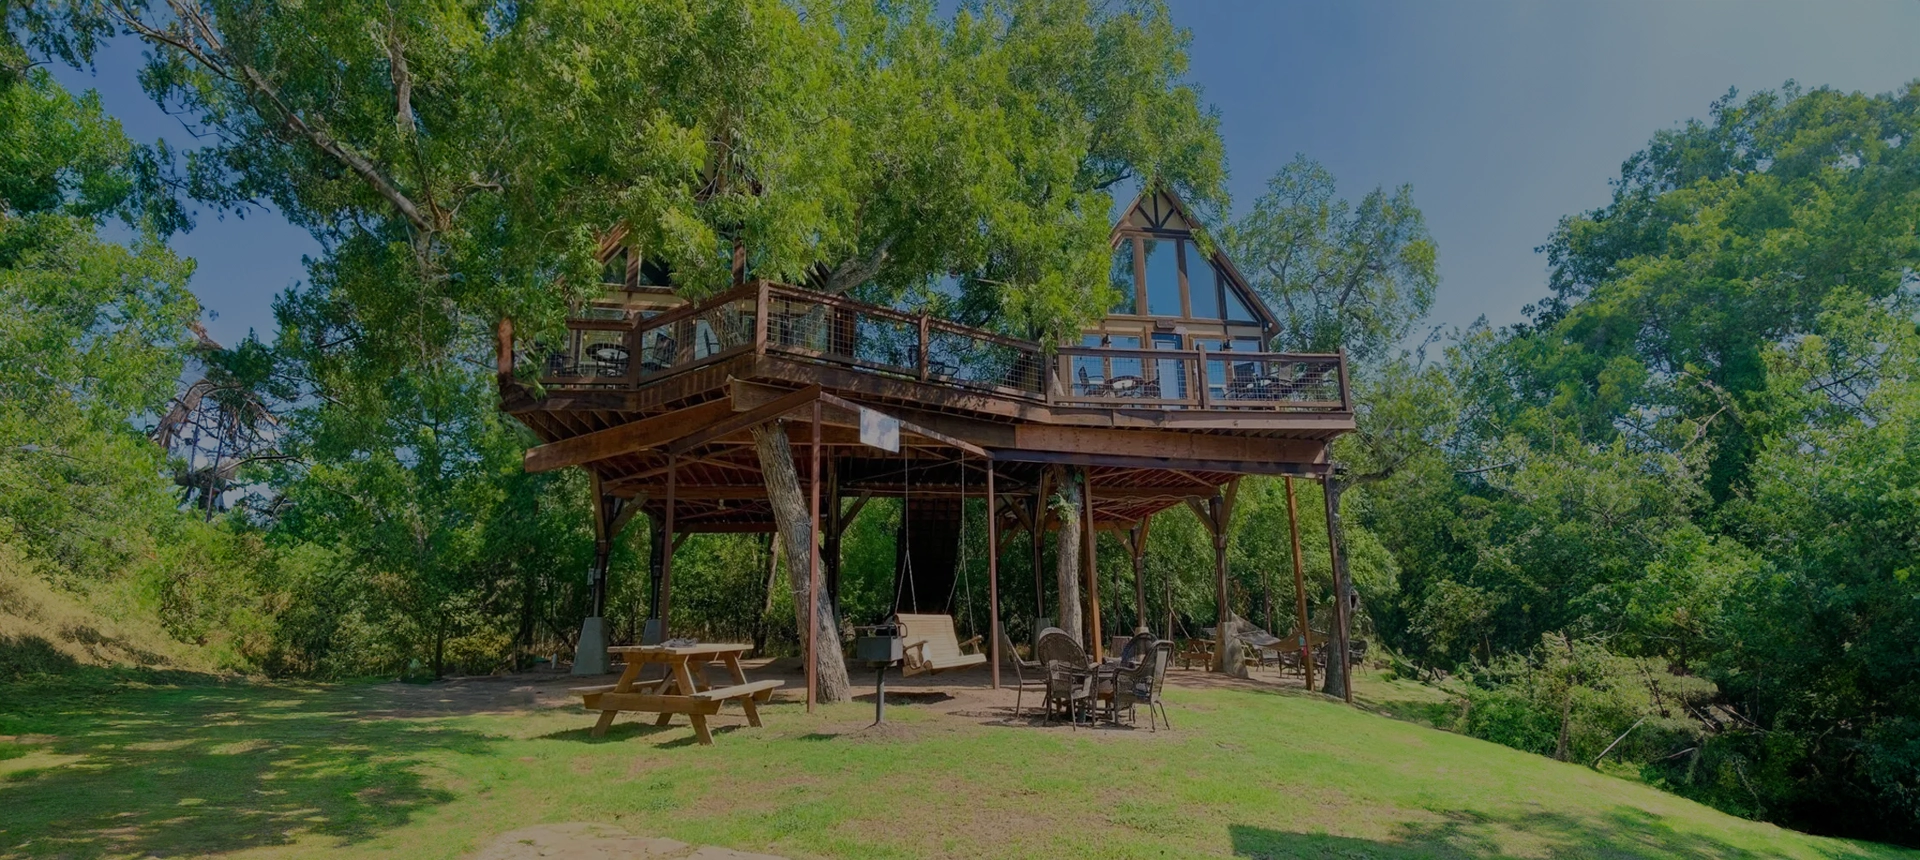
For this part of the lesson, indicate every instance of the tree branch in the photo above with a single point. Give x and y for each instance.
(203, 44)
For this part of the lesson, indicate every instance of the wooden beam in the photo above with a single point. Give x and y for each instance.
(1237, 467)
(909, 426)
(744, 420)
(846, 519)
(1169, 445)
(632, 436)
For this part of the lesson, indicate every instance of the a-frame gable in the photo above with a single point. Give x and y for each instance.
(1162, 212)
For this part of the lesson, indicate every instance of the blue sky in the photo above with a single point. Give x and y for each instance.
(1503, 116)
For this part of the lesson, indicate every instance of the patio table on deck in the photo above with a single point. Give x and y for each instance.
(683, 691)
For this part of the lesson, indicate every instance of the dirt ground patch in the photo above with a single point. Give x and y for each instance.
(965, 697)
(588, 841)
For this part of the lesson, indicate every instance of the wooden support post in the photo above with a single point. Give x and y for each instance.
(1216, 509)
(813, 564)
(1137, 542)
(993, 579)
(602, 548)
(1340, 633)
(760, 320)
(666, 558)
(1089, 540)
(656, 564)
(835, 525)
(1299, 586)
(1039, 530)
(1166, 588)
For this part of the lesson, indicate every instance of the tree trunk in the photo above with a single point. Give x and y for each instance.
(1066, 552)
(439, 645)
(791, 512)
(1566, 718)
(760, 623)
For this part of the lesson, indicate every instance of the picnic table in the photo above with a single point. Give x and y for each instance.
(684, 690)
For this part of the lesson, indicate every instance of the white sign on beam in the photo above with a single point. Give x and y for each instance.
(879, 430)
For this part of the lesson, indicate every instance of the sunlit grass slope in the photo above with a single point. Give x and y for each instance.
(185, 765)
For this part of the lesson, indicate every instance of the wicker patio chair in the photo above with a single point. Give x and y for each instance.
(1136, 649)
(1072, 689)
(1024, 671)
(1141, 685)
(1069, 685)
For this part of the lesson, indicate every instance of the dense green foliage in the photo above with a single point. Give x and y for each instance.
(95, 334)
(1698, 453)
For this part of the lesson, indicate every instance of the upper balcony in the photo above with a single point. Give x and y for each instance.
(623, 349)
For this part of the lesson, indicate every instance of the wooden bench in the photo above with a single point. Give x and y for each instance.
(750, 690)
(931, 646)
(684, 691)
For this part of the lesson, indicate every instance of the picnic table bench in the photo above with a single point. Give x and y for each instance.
(684, 690)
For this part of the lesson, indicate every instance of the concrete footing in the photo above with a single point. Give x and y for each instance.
(590, 658)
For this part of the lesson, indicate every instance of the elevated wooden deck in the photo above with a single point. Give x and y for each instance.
(636, 399)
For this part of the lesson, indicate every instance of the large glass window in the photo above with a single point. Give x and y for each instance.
(1236, 309)
(1203, 292)
(614, 273)
(1121, 278)
(1163, 277)
(653, 273)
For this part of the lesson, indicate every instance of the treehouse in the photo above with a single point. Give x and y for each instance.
(1164, 402)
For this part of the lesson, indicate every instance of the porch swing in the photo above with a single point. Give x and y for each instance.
(930, 643)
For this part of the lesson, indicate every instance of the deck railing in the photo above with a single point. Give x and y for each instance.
(616, 348)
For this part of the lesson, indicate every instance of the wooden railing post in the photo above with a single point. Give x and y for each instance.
(923, 348)
(503, 348)
(634, 359)
(761, 305)
(1206, 382)
(1346, 393)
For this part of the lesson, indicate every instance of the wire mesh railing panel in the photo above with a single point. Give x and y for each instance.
(682, 339)
(843, 332)
(1131, 377)
(978, 360)
(1275, 380)
(877, 340)
(592, 354)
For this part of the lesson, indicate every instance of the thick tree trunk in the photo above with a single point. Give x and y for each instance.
(791, 512)
(1067, 556)
(760, 623)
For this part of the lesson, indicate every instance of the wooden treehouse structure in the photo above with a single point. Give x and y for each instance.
(1165, 402)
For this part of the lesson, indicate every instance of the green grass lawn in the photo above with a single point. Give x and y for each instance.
(185, 765)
